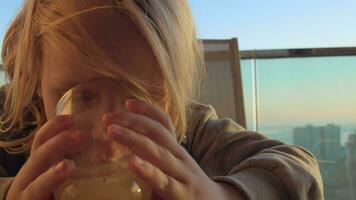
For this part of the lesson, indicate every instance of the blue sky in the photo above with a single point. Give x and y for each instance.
(262, 24)
(8, 9)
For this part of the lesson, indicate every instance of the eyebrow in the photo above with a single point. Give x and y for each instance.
(61, 86)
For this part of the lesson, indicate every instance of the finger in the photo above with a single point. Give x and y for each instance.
(52, 151)
(48, 182)
(150, 111)
(163, 185)
(148, 127)
(52, 128)
(144, 147)
(155, 196)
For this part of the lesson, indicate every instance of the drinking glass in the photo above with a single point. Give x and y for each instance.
(102, 164)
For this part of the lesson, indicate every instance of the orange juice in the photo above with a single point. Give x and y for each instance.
(112, 181)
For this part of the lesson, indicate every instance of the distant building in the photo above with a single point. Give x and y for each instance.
(351, 161)
(323, 141)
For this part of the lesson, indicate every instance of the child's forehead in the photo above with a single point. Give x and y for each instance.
(105, 21)
(60, 71)
(117, 36)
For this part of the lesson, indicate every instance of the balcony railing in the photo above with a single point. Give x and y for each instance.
(307, 97)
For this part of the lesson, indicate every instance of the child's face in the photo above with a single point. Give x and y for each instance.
(118, 36)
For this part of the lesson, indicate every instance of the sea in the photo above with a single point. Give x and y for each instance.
(285, 133)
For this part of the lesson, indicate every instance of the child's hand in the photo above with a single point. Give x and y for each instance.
(159, 160)
(46, 167)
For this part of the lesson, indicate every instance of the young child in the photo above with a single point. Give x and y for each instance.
(53, 45)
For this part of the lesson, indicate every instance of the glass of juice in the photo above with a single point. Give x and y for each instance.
(102, 164)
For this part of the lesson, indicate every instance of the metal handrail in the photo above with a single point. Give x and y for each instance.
(288, 53)
(293, 53)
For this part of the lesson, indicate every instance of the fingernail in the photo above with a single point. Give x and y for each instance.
(138, 161)
(132, 101)
(75, 136)
(116, 129)
(69, 120)
(110, 115)
(65, 166)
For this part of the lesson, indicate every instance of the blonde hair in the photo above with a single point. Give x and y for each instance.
(167, 25)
